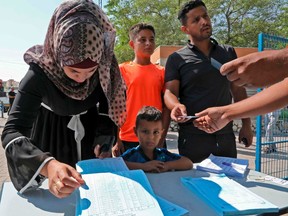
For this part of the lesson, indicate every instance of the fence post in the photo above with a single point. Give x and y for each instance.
(259, 117)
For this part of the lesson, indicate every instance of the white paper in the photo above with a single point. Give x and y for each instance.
(230, 166)
(116, 194)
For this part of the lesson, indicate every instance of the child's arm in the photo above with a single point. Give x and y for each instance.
(183, 163)
(150, 166)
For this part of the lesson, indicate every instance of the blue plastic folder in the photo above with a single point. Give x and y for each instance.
(112, 189)
(227, 197)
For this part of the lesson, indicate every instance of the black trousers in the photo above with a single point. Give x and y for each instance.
(198, 147)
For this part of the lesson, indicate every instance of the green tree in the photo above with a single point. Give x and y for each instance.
(239, 22)
(161, 14)
(281, 23)
(234, 22)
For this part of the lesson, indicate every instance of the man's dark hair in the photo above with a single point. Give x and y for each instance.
(148, 113)
(135, 29)
(186, 8)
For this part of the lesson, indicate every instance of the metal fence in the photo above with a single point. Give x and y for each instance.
(272, 128)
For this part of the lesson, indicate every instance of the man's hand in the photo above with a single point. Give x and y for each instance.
(178, 113)
(246, 135)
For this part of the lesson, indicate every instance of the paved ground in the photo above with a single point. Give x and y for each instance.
(248, 153)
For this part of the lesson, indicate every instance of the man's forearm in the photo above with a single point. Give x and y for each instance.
(170, 100)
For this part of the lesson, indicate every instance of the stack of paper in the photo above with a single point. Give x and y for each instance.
(227, 197)
(233, 167)
(112, 189)
(120, 193)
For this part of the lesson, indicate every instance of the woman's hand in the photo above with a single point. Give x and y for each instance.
(63, 179)
(118, 149)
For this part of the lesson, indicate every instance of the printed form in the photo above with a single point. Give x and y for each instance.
(118, 194)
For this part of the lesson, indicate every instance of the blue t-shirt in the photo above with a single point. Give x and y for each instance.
(136, 154)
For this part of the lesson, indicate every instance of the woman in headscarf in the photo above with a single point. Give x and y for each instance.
(56, 117)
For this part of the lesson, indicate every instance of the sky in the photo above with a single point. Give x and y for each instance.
(23, 24)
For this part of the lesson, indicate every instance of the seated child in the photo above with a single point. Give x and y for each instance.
(146, 156)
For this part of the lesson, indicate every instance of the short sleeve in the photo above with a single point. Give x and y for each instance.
(166, 155)
(171, 68)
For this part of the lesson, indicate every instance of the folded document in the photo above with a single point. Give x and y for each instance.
(227, 197)
(233, 167)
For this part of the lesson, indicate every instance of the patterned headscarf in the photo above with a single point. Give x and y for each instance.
(80, 30)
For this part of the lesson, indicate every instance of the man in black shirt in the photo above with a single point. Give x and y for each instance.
(194, 83)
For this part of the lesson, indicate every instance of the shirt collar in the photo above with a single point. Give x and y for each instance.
(143, 154)
(212, 40)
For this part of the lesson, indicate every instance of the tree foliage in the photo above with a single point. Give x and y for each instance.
(234, 22)
(239, 22)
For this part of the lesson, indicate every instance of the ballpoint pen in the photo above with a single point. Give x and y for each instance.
(235, 166)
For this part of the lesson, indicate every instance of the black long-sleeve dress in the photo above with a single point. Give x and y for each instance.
(35, 133)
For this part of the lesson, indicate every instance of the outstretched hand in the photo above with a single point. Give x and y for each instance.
(211, 120)
(254, 70)
(63, 179)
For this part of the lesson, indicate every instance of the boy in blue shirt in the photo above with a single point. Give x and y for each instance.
(146, 156)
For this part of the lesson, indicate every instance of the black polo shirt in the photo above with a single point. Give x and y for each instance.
(201, 85)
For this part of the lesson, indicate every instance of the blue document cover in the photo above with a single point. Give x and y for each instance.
(227, 197)
(171, 209)
(112, 189)
(101, 165)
